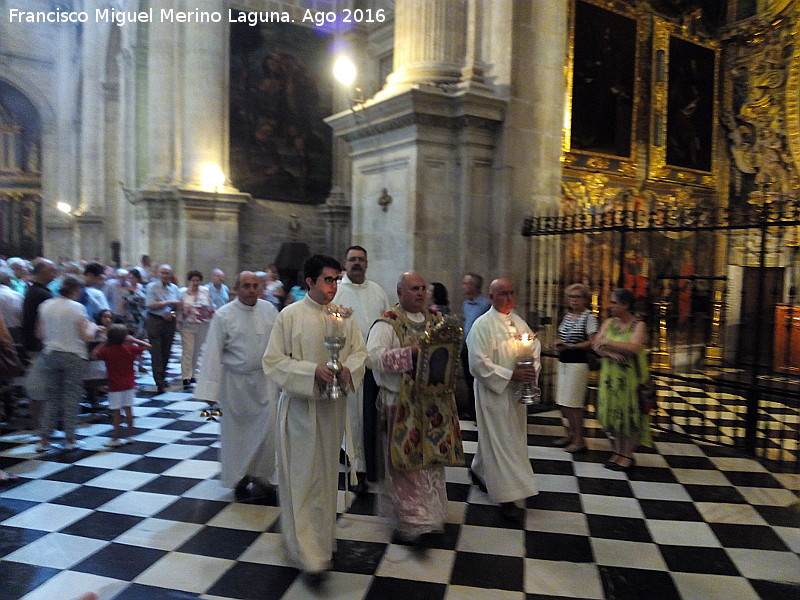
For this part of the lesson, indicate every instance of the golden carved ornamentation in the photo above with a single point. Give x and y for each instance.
(591, 193)
(764, 133)
(597, 162)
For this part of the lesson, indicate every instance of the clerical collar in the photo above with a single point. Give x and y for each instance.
(346, 279)
(244, 306)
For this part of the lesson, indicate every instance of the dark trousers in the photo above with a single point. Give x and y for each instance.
(468, 380)
(160, 333)
(371, 421)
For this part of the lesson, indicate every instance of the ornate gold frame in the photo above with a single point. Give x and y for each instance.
(434, 378)
(583, 159)
(663, 31)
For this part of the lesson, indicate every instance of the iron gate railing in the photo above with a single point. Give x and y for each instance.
(708, 282)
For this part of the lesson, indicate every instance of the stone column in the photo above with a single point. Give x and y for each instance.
(92, 122)
(548, 33)
(126, 64)
(472, 71)
(162, 88)
(422, 150)
(429, 42)
(64, 151)
(177, 212)
(548, 29)
(204, 114)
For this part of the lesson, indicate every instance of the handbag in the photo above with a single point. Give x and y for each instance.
(593, 360)
(587, 356)
(10, 364)
(645, 391)
(592, 357)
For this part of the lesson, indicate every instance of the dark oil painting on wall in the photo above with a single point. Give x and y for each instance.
(280, 90)
(603, 80)
(690, 105)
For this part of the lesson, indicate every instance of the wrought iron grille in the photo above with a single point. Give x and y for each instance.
(717, 289)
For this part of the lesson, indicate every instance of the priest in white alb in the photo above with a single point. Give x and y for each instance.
(501, 466)
(310, 425)
(231, 374)
(368, 301)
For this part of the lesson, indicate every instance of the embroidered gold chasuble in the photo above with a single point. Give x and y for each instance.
(425, 431)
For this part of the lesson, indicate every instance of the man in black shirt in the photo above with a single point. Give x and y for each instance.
(43, 273)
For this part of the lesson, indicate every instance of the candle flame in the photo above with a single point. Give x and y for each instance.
(526, 338)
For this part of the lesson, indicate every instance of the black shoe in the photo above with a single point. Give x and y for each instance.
(423, 543)
(193, 381)
(361, 488)
(315, 579)
(241, 491)
(263, 493)
(160, 389)
(624, 468)
(478, 482)
(187, 383)
(510, 512)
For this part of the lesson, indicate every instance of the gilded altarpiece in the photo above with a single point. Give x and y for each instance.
(612, 191)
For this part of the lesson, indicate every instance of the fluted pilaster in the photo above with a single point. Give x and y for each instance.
(430, 42)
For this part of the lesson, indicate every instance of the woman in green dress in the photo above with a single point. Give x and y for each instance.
(620, 343)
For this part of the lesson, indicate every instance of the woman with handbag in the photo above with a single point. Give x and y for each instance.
(64, 329)
(573, 343)
(620, 344)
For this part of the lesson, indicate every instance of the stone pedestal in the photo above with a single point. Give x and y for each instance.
(432, 152)
(191, 229)
(89, 237)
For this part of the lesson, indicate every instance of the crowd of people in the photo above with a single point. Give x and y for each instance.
(260, 354)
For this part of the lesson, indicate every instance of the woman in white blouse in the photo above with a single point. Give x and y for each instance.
(194, 314)
(573, 343)
(64, 329)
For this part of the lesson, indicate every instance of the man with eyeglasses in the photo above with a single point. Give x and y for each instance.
(418, 495)
(310, 426)
(368, 301)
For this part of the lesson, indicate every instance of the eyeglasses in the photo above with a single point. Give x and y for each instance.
(329, 280)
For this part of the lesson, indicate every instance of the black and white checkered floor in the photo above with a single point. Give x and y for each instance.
(150, 521)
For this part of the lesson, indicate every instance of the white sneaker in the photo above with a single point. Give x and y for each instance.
(114, 443)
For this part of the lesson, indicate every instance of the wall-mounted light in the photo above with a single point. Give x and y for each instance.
(344, 71)
(212, 178)
(64, 207)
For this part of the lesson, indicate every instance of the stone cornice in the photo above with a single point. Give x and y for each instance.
(222, 201)
(426, 106)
